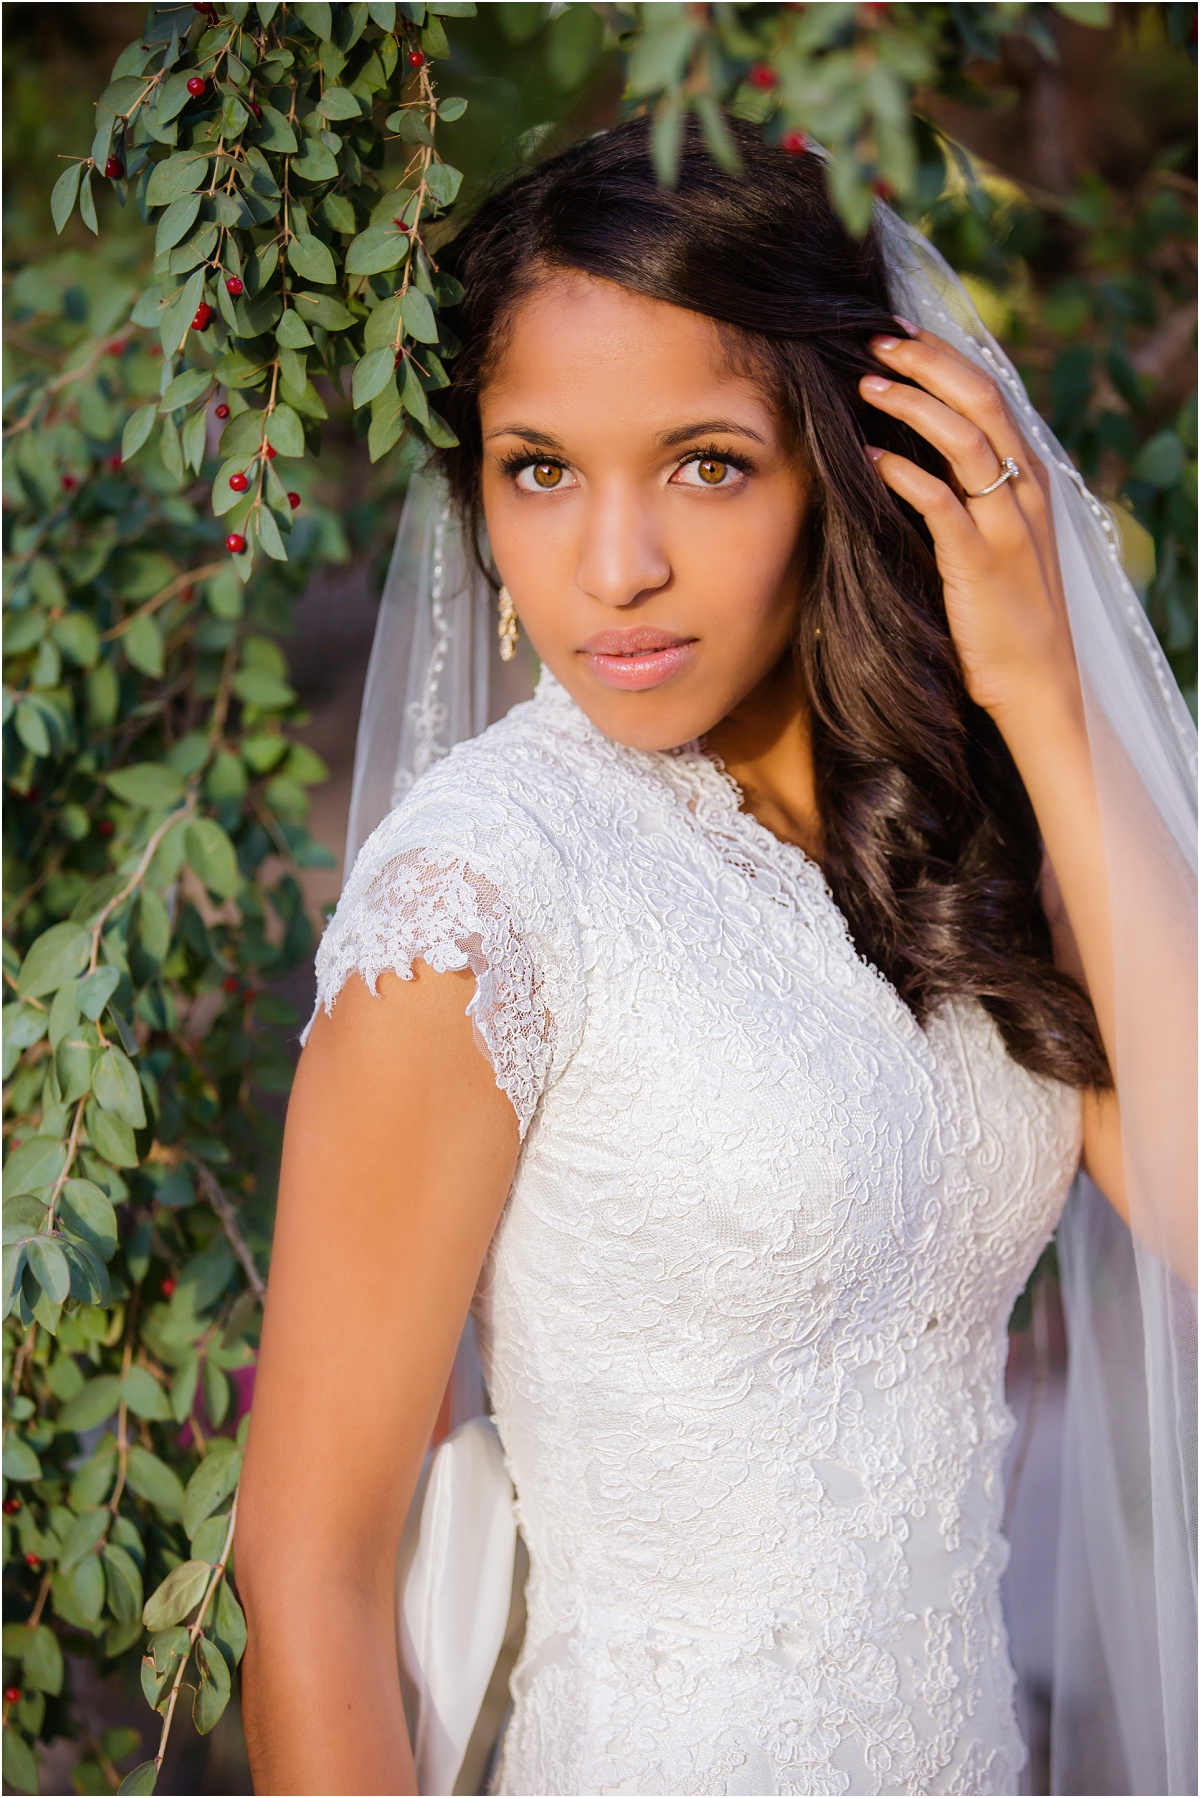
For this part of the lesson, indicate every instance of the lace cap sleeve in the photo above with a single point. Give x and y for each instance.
(494, 901)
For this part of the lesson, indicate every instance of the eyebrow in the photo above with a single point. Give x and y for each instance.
(707, 427)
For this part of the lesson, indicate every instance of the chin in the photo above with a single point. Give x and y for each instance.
(656, 720)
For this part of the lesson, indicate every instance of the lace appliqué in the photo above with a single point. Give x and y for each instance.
(433, 907)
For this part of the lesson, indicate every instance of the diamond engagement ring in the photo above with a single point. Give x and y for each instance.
(1008, 472)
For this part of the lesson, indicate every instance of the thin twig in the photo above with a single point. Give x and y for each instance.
(225, 1210)
(193, 1635)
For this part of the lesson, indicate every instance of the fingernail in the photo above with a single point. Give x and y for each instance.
(873, 452)
(906, 324)
(874, 384)
(885, 343)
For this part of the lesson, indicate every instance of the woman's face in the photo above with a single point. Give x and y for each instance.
(644, 510)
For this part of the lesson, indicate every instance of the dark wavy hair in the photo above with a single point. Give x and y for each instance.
(932, 849)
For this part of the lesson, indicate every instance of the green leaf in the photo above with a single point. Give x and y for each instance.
(176, 222)
(144, 1396)
(178, 1595)
(154, 1481)
(118, 1088)
(20, 1462)
(94, 1405)
(96, 989)
(79, 639)
(89, 1276)
(110, 1136)
(311, 259)
(37, 1163)
(64, 195)
(138, 427)
(451, 108)
(142, 1780)
(50, 1268)
(230, 1626)
(31, 727)
(213, 1481)
(418, 318)
(88, 1213)
(275, 133)
(412, 396)
(123, 1579)
(186, 388)
(267, 528)
(373, 251)
(372, 374)
(42, 1661)
(316, 162)
(322, 309)
(56, 956)
(177, 176)
(209, 850)
(20, 1767)
(183, 1389)
(285, 433)
(443, 182)
(87, 204)
(151, 785)
(87, 1586)
(213, 1692)
(216, 1392)
(292, 332)
(83, 1536)
(338, 103)
(144, 645)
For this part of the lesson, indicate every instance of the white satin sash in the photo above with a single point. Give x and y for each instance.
(454, 1591)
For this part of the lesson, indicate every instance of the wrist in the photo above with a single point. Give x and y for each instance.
(1046, 705)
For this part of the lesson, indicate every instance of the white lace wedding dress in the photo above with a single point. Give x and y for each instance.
(743, 1319)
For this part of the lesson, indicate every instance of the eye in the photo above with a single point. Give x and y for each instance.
(708, 471)
(542, 477)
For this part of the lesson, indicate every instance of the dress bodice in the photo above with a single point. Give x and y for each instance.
(744, 1316)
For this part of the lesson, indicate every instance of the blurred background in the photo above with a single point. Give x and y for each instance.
(1069, 208)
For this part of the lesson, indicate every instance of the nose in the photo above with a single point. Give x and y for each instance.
(622, 556)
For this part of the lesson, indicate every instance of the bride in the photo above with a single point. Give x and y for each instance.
(726, 1026)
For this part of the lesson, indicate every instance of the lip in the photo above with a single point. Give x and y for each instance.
(638, 657)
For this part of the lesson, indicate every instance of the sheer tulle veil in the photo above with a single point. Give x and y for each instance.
(1124, 1717)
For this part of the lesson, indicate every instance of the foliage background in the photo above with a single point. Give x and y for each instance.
(157, 774)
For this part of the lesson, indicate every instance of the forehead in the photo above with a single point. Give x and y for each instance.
(578, 344)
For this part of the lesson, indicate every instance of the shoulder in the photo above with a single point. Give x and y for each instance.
(509, 800)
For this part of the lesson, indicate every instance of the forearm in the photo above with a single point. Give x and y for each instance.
(321, 1692)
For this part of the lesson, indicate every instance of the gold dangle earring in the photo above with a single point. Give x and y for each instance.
(507, 626)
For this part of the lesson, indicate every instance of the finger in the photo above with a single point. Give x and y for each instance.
(950, 524)
(975, 460)
(932, 364)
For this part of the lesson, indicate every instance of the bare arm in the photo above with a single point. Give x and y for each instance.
(398, 1156)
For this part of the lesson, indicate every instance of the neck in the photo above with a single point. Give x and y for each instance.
(766, 744)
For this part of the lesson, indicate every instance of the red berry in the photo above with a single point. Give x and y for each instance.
(234, 286)
(203, 314)
(221, 411)
(115, 463)
(400, 226)
(883, 190)
(256, 109)
(293, 500)
(416, 60)
(762, 75)
(796, 142)
(168, 1287)
(270, 452)
(239, 482)
(32, 1560)
(235, 543)
(68, 483)
(12, 1694)
(114, 168)
(11, 1506)
(106, 827)
(118, 346)
(230, 984)
(195, 86)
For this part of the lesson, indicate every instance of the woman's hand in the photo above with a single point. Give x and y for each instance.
(996, 554)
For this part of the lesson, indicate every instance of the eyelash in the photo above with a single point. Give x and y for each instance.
(516, 461)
